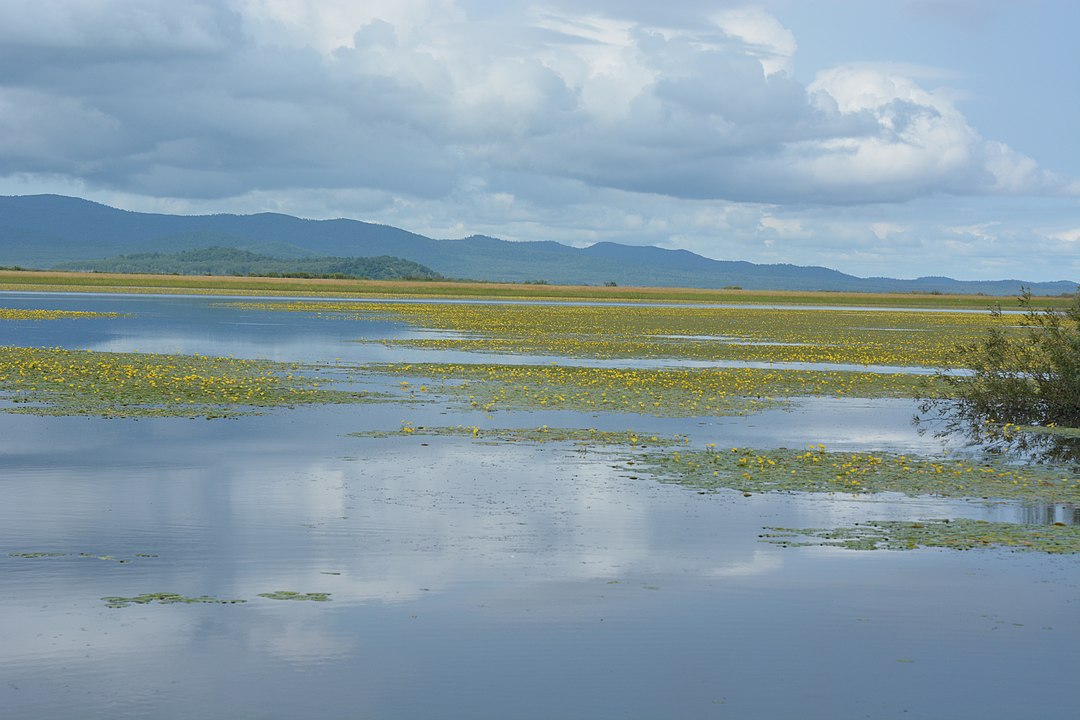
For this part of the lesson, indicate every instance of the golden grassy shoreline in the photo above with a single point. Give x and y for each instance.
(53, 281)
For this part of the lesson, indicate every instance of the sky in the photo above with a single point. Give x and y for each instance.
(897, 138)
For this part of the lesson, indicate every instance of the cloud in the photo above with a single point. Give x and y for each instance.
(980, 231)
(780, 226)
(221, 98)
(116, 28)
(884, 230)
(1068, 236)
(765, 37)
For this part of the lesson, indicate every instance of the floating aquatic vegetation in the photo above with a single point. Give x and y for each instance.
(814, 469)
(290, 595)
(116, 601)
(818, 470)
(959, 534)
(1051, 429)
(659, 391)
(53, 381)
(542, 434)
(863, 337)
(19, 314)
(82, 555)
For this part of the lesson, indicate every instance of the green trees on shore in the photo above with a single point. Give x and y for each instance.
(233, 261)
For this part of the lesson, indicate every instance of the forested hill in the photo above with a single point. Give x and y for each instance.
(45, 231)
(231, 261)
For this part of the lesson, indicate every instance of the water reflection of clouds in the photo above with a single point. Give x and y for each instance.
(37, 629)
(393, 521)
(760, 563)
(302, 638)
(400, 522)
(463, 515)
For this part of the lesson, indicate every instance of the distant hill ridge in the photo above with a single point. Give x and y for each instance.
(234, 261)
(46, 231)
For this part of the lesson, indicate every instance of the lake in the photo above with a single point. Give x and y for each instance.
(471, 580)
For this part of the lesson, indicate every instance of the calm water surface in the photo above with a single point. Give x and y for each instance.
(476, 581)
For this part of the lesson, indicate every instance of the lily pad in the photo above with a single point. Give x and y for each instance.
(164, 598)
(291, 595)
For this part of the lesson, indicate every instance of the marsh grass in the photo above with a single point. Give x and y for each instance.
(52, 281)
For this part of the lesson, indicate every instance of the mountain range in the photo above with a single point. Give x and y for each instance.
(47, 231)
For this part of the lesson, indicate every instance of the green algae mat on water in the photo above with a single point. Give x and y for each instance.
(53, 381)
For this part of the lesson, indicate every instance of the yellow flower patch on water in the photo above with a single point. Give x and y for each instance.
(19, 314)
(860, 337)
(581, 437)
(65, 382)
(817, 469)
(662, 392)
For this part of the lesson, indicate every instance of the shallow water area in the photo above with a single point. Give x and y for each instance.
(206, 325)
(479, 580)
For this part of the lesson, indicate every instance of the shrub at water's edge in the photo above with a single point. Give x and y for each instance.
(1031, 378)
(1023, 392)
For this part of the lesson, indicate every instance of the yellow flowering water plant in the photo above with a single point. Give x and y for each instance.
(21, 314)
(543, 434)
(761, 334)
(53, 381)
(819, 470)
(668, 392)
